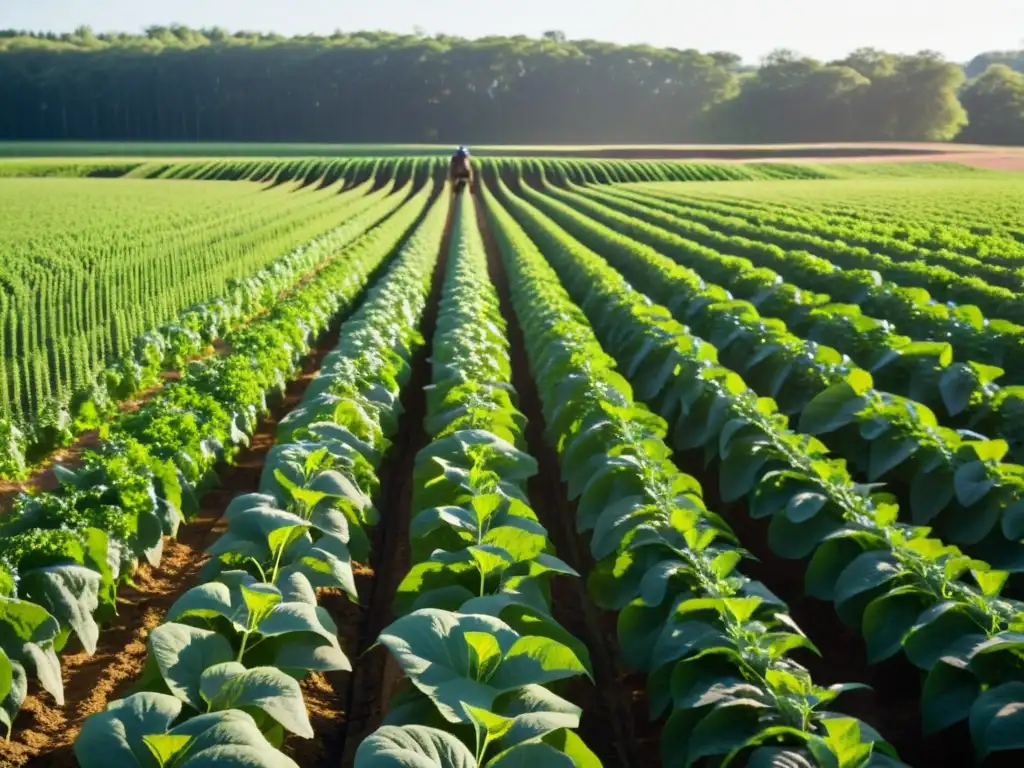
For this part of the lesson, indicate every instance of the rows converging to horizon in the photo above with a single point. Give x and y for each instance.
(312, 461)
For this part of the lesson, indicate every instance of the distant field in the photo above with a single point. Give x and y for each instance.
(999, 158)
(625, 427)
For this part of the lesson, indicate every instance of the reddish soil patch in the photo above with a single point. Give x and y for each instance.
(614, 722)
(1006, 158)
(993, 161)
(44, 734)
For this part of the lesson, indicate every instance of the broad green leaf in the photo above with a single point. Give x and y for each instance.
(71, 594)
(492, 725)
(836, 406)
(182, 654)
(886, 454)
(997, 719)
(972, 482)
(947, 697)
(723, 729)
(265, 688)
(887, 619)
(115, 737)
(165, 747)
(485, 655)
(413, 746)
(536, 660)
(432, 649)
(861, 577)
(805, 505)
(930, 493)
(260, 600)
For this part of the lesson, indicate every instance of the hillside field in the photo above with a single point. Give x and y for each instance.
(624, 456)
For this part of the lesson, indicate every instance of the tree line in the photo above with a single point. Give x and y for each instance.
(182, 84)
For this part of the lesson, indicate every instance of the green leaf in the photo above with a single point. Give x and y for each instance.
(115, 737)
(957, 384)
(886, 454)
(165, 747)
(724, 728)
(1013, 521)
(182, 654)
(413, 746)
(71, 594)
(486, 654)
(260, 600)
(805, 505)
(868, 572)
(938, 629)
(492, 725)
(536, 660)
(836, 406)
(432, 649)
(947, 697)
(930, 493)
(231, 686)
(887, 619)
(997, 719)
(972, 482)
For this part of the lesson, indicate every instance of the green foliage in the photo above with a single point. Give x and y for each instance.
(904, 589)
(237, 280)
(714, 644)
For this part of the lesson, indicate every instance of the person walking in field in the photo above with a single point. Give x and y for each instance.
(459, 171)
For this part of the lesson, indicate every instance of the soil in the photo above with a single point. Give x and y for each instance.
(993, 158)
(614, 722)
(43, 733)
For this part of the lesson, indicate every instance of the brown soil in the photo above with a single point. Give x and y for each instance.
(993, 161)
(375, 675)
(614, 722)
(43, 734)
(995, 158)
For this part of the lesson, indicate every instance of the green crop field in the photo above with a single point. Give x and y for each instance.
(310, 461)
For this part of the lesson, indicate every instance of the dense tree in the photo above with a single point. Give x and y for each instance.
(995, 102)
(179, 84)
(1013, 59)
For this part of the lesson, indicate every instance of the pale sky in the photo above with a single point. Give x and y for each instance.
(821, 28)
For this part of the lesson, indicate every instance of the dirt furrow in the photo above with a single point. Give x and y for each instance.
(43, 733)
(375, 675)
(614, 723)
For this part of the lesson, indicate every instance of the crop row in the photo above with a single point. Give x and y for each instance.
(716, 646)
(924, 370)
(65, 553)
(995, 258)
(77, 293)
(910, 310)
(70, 411)
(905, 591)
(951, 216)
(947, 275)
(474, 634)
(960, 485)
(223, 672)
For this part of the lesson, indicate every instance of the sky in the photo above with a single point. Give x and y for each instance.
(752, 28)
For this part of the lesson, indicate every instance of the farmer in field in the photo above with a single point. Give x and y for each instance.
(459, 171)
